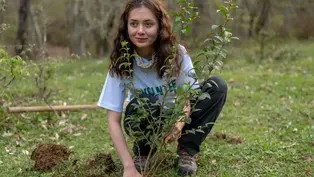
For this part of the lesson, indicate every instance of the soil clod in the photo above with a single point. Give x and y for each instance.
(100, 165)
(48, 155)
(229, 139)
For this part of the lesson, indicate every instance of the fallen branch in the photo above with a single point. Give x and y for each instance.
(56, 108)
(51, 108)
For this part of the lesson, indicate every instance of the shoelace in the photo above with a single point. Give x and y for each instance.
(186, 158)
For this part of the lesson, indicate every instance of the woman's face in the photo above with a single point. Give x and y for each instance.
(142, 28)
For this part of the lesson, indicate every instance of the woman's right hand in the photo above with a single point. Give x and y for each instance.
(131, 172)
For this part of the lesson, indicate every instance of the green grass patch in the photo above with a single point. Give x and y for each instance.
(269, 109)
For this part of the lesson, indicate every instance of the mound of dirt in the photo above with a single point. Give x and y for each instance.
(229, 139)
(48, 155)
(100, 165)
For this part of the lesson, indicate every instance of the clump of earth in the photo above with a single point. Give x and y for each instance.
(48, 155)
(228, 138)
(100, 165)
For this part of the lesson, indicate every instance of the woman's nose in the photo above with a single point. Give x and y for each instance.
(141, 30)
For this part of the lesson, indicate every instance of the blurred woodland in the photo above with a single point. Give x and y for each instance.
(36, 29)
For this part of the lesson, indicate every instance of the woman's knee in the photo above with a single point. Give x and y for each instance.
(218, 83)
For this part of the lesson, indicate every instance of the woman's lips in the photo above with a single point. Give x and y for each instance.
(141, 39)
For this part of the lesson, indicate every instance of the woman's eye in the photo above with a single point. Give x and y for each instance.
(133, 24)
(149, 24)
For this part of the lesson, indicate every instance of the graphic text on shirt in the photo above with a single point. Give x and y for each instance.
(159, 90)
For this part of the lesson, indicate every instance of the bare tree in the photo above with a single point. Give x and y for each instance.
(102, 19)
(93, 19)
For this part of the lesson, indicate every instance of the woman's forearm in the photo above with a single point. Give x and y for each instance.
(118, 140)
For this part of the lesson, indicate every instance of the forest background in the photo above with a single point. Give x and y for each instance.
(87, 27)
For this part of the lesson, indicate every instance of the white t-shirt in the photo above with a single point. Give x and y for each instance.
(147, 81)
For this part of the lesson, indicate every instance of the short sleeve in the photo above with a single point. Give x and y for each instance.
(113, 94)
(187, 69)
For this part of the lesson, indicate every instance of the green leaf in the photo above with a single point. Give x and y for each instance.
(195, 63)
(124, 43)
(223, 55)
(188, 120)
(222, 11)
(190, 131)
(204, 95)
(200, 131)
(178, 19)
(235, 38)
(220, 63)
(214, 27)
(183, 31)
(188, 30)
(219, 38)
(180, 90)
(228, 34)
(216, 67)
(124, 64)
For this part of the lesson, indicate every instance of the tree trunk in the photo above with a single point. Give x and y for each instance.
(263, 16)
(39, 52)
(77, 45)
(2, 9)
(286, 22)
(253, 14)
(21, 37)
(101, 19)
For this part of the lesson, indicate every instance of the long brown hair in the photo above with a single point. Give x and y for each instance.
(163, 44)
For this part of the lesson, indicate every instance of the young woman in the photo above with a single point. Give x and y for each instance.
(147, 28)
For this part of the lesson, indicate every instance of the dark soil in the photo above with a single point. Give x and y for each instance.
(100, 165)
(228, 138)
(48, 155)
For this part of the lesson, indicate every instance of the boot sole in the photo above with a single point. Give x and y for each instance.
(185, 173)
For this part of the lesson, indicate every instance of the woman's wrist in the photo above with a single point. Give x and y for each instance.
(128, 165)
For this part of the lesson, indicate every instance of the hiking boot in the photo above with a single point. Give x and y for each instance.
(186, 163)
(140, 162)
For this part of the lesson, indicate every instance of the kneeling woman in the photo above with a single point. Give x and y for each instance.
(145, 25)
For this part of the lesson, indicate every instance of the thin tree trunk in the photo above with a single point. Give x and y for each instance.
(263, 16)
(36, 27)
(253, 14)
(21, 37)
(39, 28)
(2, 9)
(77, 38)
(286, 22)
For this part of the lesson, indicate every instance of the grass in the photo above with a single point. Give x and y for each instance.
(269, 107)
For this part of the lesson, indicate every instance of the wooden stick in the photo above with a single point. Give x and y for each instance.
(51, 108)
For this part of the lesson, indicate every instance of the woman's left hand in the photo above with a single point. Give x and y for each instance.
(175, 132)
